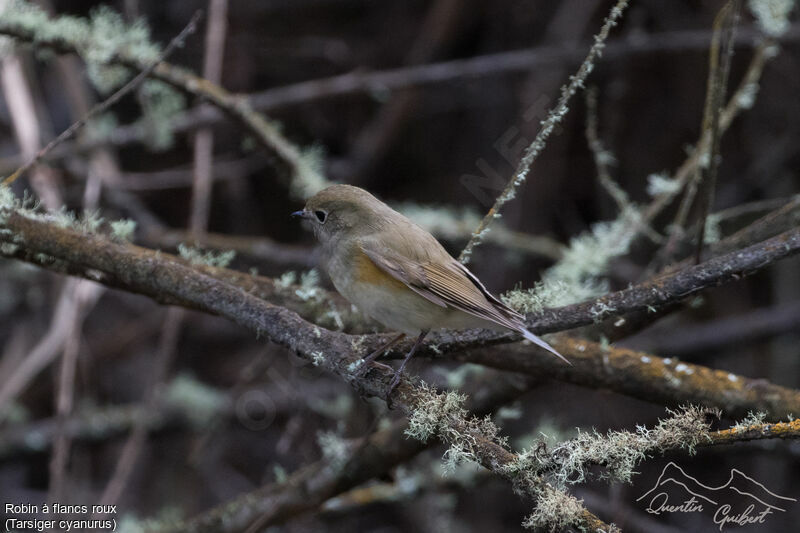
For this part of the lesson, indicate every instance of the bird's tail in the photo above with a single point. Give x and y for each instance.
(539, 342)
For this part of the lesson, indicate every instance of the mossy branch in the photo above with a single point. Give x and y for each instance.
(166, 277)
(235, 106)
(169, 279)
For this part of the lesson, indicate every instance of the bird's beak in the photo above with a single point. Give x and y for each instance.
(302, 213)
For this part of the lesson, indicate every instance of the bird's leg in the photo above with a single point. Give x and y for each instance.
(370, 359)
(399, 373)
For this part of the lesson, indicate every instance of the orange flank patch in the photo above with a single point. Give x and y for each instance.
(368, 272)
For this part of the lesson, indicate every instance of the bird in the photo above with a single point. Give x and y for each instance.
(396, 272)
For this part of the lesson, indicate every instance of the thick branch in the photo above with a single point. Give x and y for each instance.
(666, 381)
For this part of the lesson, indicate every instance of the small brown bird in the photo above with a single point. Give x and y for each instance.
(398, 273)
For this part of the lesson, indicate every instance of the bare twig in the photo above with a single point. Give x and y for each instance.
(392, 79)
(44, 353)
(136, 440)
(438, 28)
(727, 332)
(741, 99)
(204, 139)
(82, 296)
(603, 158)
(719, 70)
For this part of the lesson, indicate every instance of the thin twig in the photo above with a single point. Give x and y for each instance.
(18, 92)
(204, 139)
(136, 440)
(718, 82)
(554, 117)
(107, 103)
(741, 99)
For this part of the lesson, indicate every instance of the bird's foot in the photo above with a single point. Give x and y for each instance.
(366, 366)
(369, 361)
(392, 386)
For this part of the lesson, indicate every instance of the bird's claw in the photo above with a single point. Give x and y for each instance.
(366, 366)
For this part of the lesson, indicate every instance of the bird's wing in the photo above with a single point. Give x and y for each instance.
(446, 283)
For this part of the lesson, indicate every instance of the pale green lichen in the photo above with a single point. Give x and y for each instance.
(353, 367)
(457, 377)
(443, 415)
(772, 16)
(104, 40)
(309, 291)
(168, 517)
(8, 248)
(8, 201)
(555, 510)
(336, 409)
(618, 452)
(578, 275)
(281, 476)
(200, 402)
(662, 183)
(446, 222)
(334, 448)
(286, 280)
(99, 128)
(196, 256)
(87, 223)
(100, 39)
(747, 96)
(309, 286)
(123, 230)
(317, 358)
(752, 419)
(308, 178)
(509, 412)
(161, 104)
(433, 411)
(713, 230)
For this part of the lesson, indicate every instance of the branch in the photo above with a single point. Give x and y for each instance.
(665, 381)
(671, 287)
(619, 451)
(779, 430)
(488, 65)
(237, 107)
(554, 117)
(159, 275)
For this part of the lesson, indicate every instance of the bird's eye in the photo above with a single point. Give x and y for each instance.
(321, 216)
